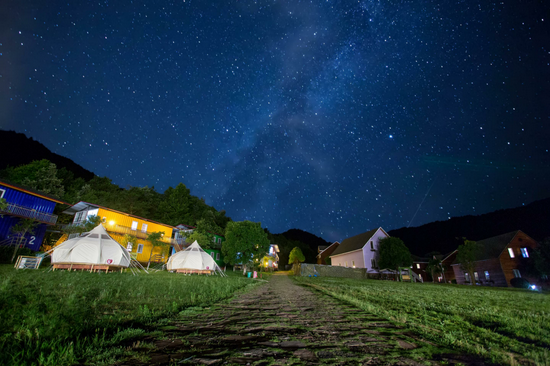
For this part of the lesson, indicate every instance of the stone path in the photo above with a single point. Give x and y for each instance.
(281, 323)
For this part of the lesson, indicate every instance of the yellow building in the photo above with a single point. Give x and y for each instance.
(119, 224)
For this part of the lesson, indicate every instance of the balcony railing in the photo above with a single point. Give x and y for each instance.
(119, 229)
(29, 213)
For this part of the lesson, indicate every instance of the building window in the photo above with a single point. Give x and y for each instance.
(134, 225)
(419, 276)
(79, 217)
(219, 240)
(346, 264)
(466, 276)
(212, 254)
(511, 252)
(516, 273)
(371, 245)
(2, 191)
(373, 263)
(487, 277)
(524, 253)
(476, 276)
(353, 264)
(129, 247)
(140, 248)
(143, 228)
(417, 265)
(217, 256)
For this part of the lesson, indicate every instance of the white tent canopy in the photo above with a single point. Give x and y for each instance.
(95, 247)
(192, 259)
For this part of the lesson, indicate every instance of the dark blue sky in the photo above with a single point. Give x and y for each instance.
(334, 117)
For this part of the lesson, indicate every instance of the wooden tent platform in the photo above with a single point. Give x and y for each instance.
(192, 271)
(87, 267)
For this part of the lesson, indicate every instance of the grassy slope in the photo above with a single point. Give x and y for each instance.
(504, 325)
(56, 318)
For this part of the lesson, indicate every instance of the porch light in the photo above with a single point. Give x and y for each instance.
(111, 222)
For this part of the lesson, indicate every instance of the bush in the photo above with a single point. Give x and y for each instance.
(519, 282)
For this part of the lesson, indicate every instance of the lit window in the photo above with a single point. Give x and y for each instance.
(487, 277)
(353, 264)
(140, 248)
(134, 225)
(476, 276)
(516, 273)
(346, 263)
(511, 252)
(418, 265)
(143, 228)
(467, 276)
(524, 253)
(420, 276)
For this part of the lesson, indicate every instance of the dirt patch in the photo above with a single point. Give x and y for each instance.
(281, 323)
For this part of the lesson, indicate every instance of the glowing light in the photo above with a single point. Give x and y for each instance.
(111, 222)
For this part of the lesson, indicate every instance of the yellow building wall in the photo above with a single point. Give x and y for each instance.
(114, 219)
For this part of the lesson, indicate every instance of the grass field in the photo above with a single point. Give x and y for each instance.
(59, 318)
(507, 326)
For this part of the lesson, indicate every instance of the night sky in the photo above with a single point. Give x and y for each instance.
(335, 117)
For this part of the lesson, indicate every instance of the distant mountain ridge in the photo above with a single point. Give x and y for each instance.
(444, 236)
(17, 149)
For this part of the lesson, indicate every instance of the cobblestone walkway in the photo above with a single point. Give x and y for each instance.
(281, 323)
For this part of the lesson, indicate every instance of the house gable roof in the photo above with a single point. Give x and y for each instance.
(336, 243)
(355, 242)
(493, 247)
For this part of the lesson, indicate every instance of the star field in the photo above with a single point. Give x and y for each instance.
(334, 117)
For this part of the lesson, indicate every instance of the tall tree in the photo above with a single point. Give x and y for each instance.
(467, 256)
(296, 257)
(155, 239)
(176, 205)
(393, 254)
(22, 228)
(245, 242)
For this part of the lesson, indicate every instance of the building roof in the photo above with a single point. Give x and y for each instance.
(77, 207)
(337, 243)
(355, 242)
(32, 192)
(493, 247)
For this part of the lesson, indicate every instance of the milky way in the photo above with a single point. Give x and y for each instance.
(334, 117)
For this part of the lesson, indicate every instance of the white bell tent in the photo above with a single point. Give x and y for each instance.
(193, 260)
(94, 250)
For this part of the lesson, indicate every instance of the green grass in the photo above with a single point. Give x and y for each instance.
(61, 318)
(507, 326)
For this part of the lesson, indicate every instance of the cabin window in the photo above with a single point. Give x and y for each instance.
(79, 217)
(134, 225)
(373, 263)
(140, 248)
(353, 264)
(516, 273)
(487, 276)
(372, 245)
(2, 191)
(417, 265)
(143, 228)
(212, 255)
(346, 264)
(511, 252)
(420, 276)
(219, 240)
(467, 276)
(476, 276)
(217, 256)
(524, 253)
(129, 246)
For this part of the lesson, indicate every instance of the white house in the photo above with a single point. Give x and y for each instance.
(359, 251)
